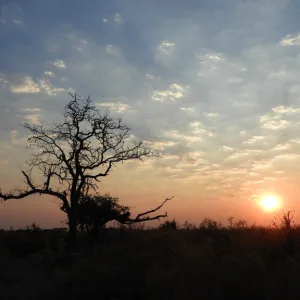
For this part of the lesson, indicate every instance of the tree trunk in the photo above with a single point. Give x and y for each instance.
(93, 233)
(72, 236)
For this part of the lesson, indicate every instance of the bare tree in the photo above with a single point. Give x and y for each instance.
(73, 155)
(285, 220)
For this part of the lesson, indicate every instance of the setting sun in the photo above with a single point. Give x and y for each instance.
(270, 202)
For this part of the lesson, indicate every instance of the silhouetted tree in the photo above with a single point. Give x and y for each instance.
(95, 211)
(285, 220)
(240, 224)
(73, 155)
(209, 223)
(169, 225)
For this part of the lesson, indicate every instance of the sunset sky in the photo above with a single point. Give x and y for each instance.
(214, 85)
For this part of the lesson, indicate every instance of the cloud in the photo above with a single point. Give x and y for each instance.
(164, 52)
(282, 147)
(173, 93)
(17, 22)
(118, 18)
(3, 161)
(49, 73)
(187, 109)
(275, 124)
(237, 155)
(48, 88)
(111, 49)
(176, 135)
(27, 86)
(254, 140)
(13, 137)
(194, 132)
(161, 145)
(118, 106)
(291, 40)
(166, 47)
(198, 128)
(34, 119)
(210, 57)
(285, 109)
(31, 109)
(212, 115)
(227, 149)
(59, 64)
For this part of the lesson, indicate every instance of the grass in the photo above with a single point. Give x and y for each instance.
(191, 263)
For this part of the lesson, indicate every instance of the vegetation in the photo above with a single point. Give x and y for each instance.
(73, 155)
(94, 212)
(189, 262)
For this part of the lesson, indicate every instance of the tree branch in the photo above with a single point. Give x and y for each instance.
(139, 218)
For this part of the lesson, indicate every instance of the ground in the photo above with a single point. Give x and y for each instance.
(250, 263)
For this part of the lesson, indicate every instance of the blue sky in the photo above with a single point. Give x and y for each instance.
(212, 84)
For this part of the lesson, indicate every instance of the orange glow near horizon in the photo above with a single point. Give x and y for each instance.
(270, 202)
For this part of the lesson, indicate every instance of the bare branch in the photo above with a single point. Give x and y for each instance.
(28, 180)
(155, 209)
(141, 217)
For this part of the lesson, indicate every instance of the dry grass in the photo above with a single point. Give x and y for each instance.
(254, 263)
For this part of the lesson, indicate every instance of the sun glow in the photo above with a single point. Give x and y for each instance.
(270, 202)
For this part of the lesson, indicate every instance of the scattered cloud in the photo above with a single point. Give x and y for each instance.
(227, 149)
(254, 139)
(49, 73)
(291, 40)
(31, 109)
(3, 161)
(118, 106)
(161, 145)
(210, 57)
(111, 49)
(282, 147)
(275, 124)
(166, 46)
(285, 109)
(177, 136)
(27, 86)
(17, 22)
(14, 137)
(212, 115)
(48, 88)
(198, 128)
(173, 93)
(118, 18)
(164, 51)
(34, 119)
(237, 155)
(59, 64)
(187, 109)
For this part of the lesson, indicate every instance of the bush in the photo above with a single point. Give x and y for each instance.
(169, 225)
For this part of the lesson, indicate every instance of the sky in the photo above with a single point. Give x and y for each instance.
(213, 85)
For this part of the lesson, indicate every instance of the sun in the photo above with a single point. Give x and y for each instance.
(270, 202)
